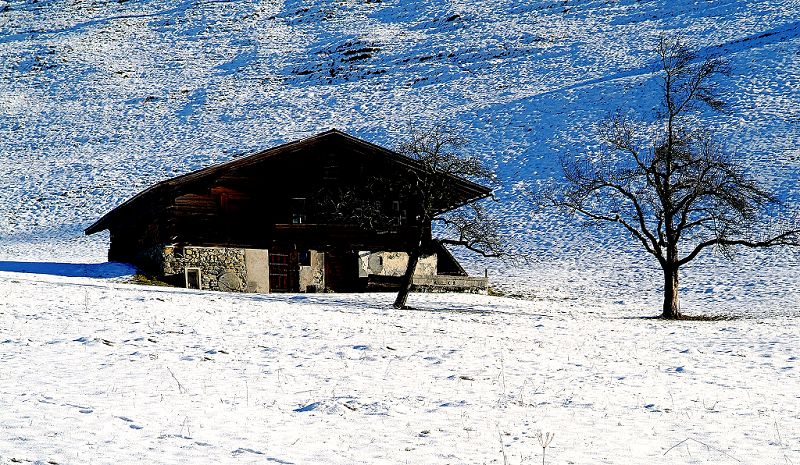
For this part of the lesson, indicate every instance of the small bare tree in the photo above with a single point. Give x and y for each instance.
(440, 152)
(679, 192)
(439, 155)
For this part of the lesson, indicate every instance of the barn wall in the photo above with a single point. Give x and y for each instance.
(149, 259)
(312, 277)
(394, 264)
(257, 269)
(247, 270)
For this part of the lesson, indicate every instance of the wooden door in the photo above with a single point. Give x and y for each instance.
(341, 271)
(284, 275)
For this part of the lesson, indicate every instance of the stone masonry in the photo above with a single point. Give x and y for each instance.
(221, 268)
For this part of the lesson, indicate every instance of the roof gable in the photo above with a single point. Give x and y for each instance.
(467, 190)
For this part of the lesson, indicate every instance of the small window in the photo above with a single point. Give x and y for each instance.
(298, 206)
(192, 276)
(401, 215)
(304, 258)
(330, 170)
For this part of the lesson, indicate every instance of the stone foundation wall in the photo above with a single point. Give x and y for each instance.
(221, 269)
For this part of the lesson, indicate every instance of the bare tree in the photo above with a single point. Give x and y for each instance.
(439, 155)
(679, 192)
(440, 152)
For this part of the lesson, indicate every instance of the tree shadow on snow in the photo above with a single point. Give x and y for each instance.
(701, 317)
(452, 309)
(70, 270)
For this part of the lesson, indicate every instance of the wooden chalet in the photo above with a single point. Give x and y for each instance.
(329, 212)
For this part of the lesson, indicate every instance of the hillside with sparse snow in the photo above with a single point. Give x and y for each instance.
(98, 100)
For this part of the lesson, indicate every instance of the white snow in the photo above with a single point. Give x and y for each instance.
(99, 372)
(98, 100)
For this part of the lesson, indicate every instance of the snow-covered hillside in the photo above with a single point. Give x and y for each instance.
(100, 99)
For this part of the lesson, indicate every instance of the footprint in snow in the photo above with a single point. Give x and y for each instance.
(80, 408)
(284, 462)
(242, 450)
(460, 403)
(307, 408)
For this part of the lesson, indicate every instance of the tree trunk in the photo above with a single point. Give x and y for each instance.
(672, 307)
(408, 278)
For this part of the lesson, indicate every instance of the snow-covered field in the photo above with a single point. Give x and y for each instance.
(99, 99)
(93, 371)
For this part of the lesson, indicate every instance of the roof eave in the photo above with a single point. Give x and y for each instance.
(103, 223)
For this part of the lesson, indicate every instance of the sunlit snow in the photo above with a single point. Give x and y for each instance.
(100, 99)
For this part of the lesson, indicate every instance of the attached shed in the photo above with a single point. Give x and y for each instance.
(300, 217)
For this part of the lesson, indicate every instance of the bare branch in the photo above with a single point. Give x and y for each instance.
(788, 238)
(475, 230)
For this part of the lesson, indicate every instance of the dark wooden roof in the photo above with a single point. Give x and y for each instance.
(463, 191)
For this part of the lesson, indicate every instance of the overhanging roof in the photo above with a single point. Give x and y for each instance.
(468, 191)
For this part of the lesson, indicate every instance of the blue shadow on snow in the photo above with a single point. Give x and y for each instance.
(71, 270)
